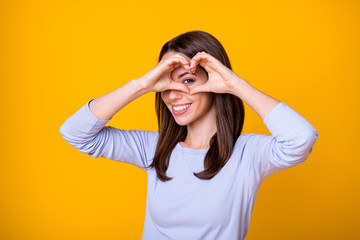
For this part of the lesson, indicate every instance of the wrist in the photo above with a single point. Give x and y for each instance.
(237, 86)
(140, 85)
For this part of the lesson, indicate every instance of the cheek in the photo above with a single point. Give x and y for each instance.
(164, 96)
(165, 99)
(205, 100)
(209, 99)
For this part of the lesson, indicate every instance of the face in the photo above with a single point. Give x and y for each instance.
(189, 109)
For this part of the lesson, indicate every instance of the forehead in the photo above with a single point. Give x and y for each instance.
(172, 53)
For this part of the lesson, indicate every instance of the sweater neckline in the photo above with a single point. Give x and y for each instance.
(192, 150)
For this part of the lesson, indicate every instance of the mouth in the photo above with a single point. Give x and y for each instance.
(180, 108)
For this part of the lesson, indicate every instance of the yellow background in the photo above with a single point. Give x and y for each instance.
(56, 55)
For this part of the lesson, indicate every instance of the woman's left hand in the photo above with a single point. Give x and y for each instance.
(220, 78)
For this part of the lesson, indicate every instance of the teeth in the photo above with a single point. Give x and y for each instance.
(181, 107)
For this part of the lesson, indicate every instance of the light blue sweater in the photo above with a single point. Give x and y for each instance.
(187, 207)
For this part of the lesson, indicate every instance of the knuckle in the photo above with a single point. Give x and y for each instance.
(180, 55)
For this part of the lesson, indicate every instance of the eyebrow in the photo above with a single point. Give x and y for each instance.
(184, 73)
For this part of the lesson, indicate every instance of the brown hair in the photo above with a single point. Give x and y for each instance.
(229, 112)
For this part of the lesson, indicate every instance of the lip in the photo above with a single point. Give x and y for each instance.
(181, 111)
(178, 105)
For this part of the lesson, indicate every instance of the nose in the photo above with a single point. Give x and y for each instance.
(175, 95)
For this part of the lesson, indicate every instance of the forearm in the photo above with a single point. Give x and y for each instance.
(106, 106)
(260, 102)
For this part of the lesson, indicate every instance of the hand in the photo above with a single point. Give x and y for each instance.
(159, 78)
(220, 78)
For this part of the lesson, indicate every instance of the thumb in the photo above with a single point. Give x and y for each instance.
(202, 88)
(178, 86)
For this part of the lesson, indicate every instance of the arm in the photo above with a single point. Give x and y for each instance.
(156, 80)
(85, 129)
(260, 102)
(88, 134)
(222, 80)
(292, 135)
(106, 106)
(290, 144)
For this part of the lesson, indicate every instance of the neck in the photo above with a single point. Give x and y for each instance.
(199, 133)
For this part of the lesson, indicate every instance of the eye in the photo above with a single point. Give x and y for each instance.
(186, 81)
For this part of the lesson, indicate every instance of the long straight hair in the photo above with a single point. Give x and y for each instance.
(229, 112)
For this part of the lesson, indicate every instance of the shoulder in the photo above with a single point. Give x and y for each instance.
(150, 139)
(250, 140)
(151, 135)
(250, 144)
(142, 139)
(146, 136)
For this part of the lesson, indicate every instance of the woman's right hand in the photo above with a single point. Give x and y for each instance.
(159, 78)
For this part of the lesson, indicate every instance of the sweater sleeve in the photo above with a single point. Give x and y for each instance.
(88, 134)
(290, 144)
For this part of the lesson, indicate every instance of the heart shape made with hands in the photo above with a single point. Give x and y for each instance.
(220, 77)
(191, 64)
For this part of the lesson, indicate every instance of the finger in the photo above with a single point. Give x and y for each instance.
(201, 58)
(201, 88)
(186, 65)
(175, 58)
(178, 86)
(180, 62)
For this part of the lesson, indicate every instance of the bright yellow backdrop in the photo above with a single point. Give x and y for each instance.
(56, 55)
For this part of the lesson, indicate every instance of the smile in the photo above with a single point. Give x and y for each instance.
(181, 109)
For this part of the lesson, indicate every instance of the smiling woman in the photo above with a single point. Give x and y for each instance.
(203, 174)
(210, 118)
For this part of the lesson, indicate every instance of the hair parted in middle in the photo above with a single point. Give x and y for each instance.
(230, 112)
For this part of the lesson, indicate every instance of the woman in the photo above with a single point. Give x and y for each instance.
(203, 174)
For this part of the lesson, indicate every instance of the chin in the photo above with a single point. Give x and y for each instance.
(181, 123)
